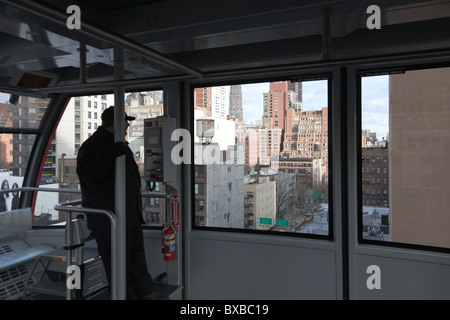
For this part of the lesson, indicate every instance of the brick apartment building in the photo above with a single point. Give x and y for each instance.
(375, 177)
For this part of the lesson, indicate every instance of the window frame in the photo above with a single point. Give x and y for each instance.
(360, 72)
(39, 150)
(297, 76)
(45, 134)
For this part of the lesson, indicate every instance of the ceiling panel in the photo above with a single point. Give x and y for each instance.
(207, 37)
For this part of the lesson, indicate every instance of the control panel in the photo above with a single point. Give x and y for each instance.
(158, 145)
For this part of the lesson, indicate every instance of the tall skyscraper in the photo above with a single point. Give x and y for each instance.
(236, 102)
(26, 114)
(202, 100)
(219, 103)
(297, 88)
(276, 102)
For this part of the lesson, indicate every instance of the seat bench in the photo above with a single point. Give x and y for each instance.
(20, 253)
(16, 256)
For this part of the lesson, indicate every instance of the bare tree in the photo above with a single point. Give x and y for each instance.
(285, 193)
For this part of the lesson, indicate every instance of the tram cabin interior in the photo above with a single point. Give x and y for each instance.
(297, 149)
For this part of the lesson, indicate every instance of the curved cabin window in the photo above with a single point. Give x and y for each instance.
(20, 122)
(21, 118)
(81, 119)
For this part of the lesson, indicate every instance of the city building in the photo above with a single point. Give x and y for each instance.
(249, 139)
(370, 139)
(219, 171)
(302, 168)
(270, 144)
(261, 145)
(306, 135)
(236, 102)
(219, 102)
(212, 182)
(202, 100)
(419, 150)
(201, 195)
(144, 98)
(6, 146)
(212, 101)
(26, 112)
(297, 88)
(375, 177)
(81, 119)
(259, 202)
(141, 112)
(276, 102)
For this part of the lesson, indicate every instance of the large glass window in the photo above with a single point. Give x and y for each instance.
(261, 155)
(26, 114)
(81, 119)
(405, 145)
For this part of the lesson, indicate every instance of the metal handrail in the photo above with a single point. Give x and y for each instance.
(41, 189)
(66, 190)
(69, 208)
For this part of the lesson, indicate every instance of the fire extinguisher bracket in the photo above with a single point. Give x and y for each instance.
(175, 209)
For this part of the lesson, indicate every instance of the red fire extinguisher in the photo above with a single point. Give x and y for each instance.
(168, 242)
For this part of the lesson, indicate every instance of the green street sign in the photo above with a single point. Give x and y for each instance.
(265, 221)
(316, 195)
(282, 222)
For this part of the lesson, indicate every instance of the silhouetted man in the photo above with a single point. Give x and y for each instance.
(96, 171)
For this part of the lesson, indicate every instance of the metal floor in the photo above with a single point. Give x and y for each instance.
(165, 290)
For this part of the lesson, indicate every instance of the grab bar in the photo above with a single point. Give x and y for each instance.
(69, 207)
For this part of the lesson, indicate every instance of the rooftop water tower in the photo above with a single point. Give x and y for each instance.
(205, 129)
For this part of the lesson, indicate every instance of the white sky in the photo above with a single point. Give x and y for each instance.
(375, 101)
(375, 105)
